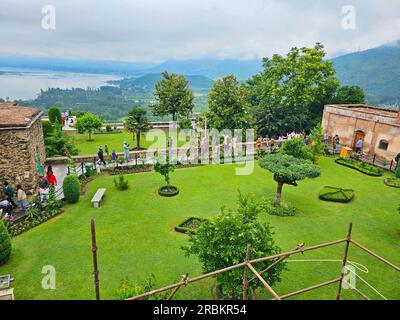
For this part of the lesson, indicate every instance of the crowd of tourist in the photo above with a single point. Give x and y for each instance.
(12, 199)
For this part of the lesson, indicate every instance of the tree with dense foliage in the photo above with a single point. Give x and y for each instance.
(71, 188)
(288, 170)
(290, 93)
(5, 243)
(137, 123)
(222, 241)
(349, 95)
(296, 148)
(228, 106)
(165, 168)
(58, 142)
(173, 96)
(89, 123)
(54, 115)
(317, 144)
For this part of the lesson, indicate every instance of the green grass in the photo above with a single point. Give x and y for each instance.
(114, 141)
(136, 238)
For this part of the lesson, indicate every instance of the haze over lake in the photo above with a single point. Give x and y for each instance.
(26, 83)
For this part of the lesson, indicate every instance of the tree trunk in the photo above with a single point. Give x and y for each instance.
(278, 194)
(138, 140)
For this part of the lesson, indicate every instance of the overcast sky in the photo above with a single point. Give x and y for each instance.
(157, 30)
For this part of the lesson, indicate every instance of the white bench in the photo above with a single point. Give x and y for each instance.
(98, 197)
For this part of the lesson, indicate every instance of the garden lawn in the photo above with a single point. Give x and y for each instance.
(136, 238)
(114, 141)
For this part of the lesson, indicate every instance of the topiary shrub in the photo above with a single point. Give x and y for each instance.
(121, 183)
(72, 189)
(398, 171)
(55, 115)
(336, 194)
(5, 243)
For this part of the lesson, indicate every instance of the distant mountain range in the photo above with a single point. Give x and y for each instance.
(376, 70)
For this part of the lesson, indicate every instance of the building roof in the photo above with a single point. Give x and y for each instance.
(391, 113)
(13, 116)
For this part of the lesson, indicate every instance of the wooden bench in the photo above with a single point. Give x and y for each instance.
(98, 197)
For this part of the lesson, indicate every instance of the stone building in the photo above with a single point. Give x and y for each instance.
(21, 144)
(378, 128)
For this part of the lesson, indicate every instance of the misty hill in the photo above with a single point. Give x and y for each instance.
(147, 82)
(212, 68)
(376, 70)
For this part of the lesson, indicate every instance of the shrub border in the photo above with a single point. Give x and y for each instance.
(168, 195)
(185, 230)
(358, 169)
(321, 197)
(390, 185)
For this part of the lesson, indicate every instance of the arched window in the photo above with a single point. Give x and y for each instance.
(383, 145)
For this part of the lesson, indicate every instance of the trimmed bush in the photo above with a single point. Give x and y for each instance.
(121, 183)
(398, 171)
(360, 166)
(5, 243)
(72, 189)
(336, 194)
(55, 115)
(190, 226)
(393, 182)
(168, 191)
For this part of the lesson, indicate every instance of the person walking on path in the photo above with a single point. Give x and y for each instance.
(51, 178)
(126, 152)
(336, 143)
(359, 145)
(9, 192)
(22, 199)
(101, 156)
(43, 188)
(114, 158)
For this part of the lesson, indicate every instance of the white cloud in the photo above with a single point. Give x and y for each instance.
(155, 30)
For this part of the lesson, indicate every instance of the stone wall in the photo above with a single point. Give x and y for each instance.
(18, 155)
(376, 127)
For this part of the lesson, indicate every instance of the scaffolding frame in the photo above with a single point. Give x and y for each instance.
(248, 265)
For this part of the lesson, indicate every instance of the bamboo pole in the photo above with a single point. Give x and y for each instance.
(357, 291)
(240, 265)
(183, 281)
(245, 280)
(346, 252)
(266, 285)
(95, 267)
(320, 285)
(376, 255)
(301, 245)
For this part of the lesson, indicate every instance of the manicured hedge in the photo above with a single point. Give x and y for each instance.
(360, 166)
(190, 225)
(71, 189)
(336, 194)
(171, 192)
(393, 182)
(5, 243)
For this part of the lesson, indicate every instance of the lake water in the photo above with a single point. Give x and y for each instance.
(26, 83)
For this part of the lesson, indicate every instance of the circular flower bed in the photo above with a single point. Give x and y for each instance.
(393, 182)
(168, 191)
(336, 194)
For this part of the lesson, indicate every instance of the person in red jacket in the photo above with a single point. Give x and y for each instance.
(51, 178)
